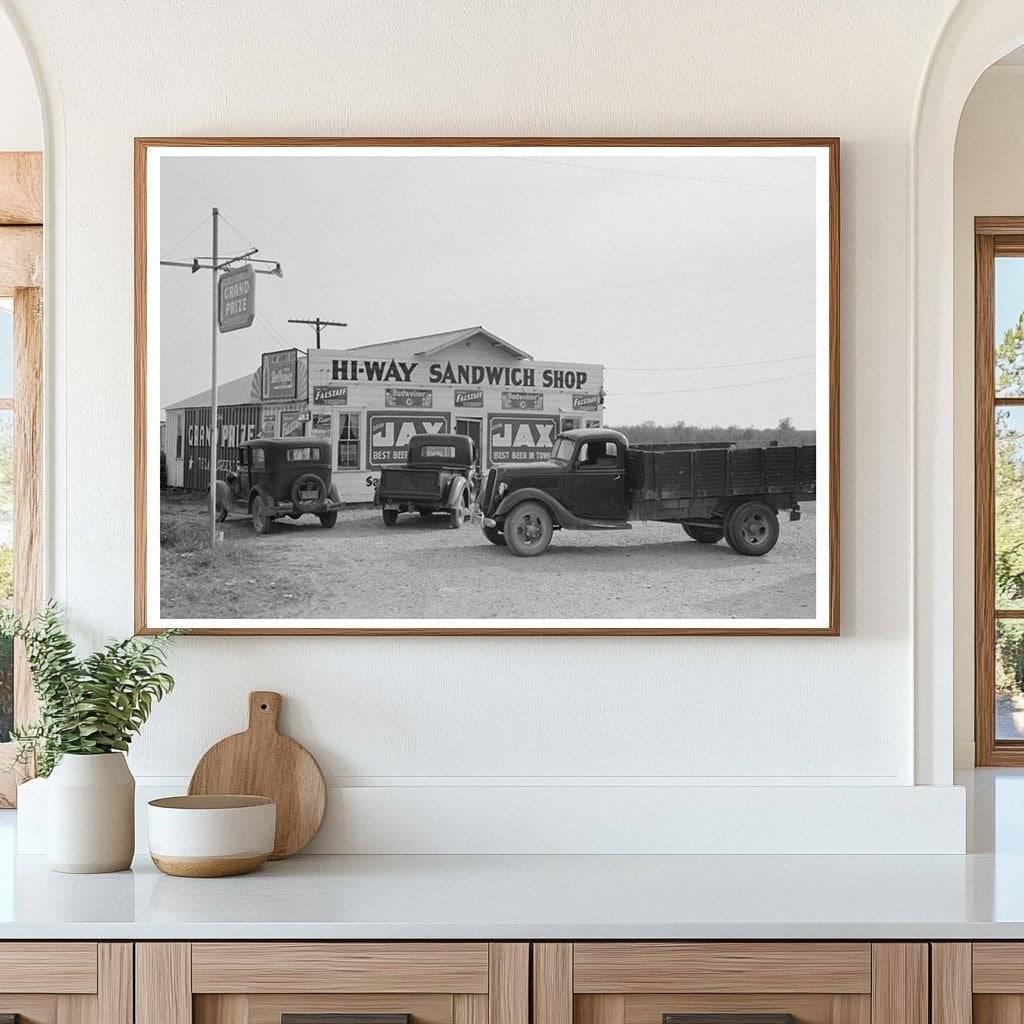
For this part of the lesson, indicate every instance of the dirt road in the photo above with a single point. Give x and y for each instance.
(422, 568)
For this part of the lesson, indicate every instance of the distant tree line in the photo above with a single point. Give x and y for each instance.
(649, 432)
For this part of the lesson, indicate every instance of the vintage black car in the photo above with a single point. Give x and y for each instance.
(595, 480)
(280, 477)
(440, 475)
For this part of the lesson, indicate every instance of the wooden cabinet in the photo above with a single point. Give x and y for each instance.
(66, 982)
(262, 982)
(648, 982)
(979, 982)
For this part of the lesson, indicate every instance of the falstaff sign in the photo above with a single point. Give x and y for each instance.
(334, 368)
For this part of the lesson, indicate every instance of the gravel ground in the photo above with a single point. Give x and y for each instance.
(423, 569)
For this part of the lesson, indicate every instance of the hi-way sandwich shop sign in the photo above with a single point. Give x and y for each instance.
(338, 368)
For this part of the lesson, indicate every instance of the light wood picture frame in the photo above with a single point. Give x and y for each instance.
(425, 390)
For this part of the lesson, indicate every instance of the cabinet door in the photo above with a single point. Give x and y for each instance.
(981, 982)
(66, 982)
(332, 983)
(737, 982)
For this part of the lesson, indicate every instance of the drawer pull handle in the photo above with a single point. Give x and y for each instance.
(341, 1018)
(728, 1018)
(10, 1018)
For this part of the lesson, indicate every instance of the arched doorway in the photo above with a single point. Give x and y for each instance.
(976, 33)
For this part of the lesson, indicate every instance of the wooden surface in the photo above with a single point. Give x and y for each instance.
(552, 983)
(48, 967)
(115, 989)
(163, 983)
(468, 1008)
(21, 258)
(508, 995)
(144, 144)
(262, 762)
(951, 983)
(21, 188)
(998, 967)
(722, 967)
(208, 867)
(340, 967)
(899, 992)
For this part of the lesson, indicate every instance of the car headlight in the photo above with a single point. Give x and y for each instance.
(502, 488)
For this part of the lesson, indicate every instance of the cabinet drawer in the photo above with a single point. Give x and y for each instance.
(66, 982)
(264, 982)
(340, 967)
(629, 967)
(735, 982)
(48, 967)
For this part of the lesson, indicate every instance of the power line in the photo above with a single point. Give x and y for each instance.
(716, 387)
(714, 366)
(186, 236)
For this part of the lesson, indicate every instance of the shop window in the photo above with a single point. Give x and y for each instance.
(348, 441)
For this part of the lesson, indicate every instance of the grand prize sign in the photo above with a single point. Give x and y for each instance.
(236, 299)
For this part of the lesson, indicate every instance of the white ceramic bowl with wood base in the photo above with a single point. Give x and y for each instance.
(211, 836)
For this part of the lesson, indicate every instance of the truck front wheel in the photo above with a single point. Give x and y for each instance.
(752, 528)
(390, 516)
(528, 529)
(704, 534)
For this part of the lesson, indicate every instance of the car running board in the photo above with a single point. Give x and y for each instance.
(599, 524)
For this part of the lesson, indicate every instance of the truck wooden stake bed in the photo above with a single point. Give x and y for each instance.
(594, 480)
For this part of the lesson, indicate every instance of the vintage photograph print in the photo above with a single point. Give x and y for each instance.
(487, 386)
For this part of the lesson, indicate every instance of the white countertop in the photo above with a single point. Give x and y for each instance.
(531, 897)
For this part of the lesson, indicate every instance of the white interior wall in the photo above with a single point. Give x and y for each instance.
(987, 182)
(21, 126)
(436, 716)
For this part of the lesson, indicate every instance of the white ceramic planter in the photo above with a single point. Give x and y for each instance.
(90, 814)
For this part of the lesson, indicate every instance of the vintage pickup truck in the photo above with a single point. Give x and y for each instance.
(439, 475)
(594, 480)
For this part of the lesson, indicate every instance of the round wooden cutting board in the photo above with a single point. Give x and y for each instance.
(262, 762)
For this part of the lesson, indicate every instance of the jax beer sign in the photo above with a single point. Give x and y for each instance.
(517, 439)
(236, 299)
(388, 434)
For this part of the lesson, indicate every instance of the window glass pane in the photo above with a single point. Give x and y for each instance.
(6, 567)
(1009, 326)
(1009, 679)
(1009, 512)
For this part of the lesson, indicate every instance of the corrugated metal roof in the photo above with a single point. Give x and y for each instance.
(234, 392)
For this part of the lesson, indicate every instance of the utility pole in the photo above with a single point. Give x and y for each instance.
(318, 324)
(197, 263)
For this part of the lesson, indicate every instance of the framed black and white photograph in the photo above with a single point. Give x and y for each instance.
(487, 386)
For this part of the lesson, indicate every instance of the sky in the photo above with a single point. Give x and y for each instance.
(689, 274)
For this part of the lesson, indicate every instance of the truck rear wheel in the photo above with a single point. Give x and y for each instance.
(390, 516)
(704, 534)
(495, 535)
(752, 528)
(528, 529)
(260, 516)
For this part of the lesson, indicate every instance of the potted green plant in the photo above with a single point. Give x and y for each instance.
(89, 710)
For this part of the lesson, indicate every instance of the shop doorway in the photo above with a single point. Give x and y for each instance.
(473, 429)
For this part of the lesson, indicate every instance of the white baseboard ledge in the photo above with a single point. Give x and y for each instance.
(552, 819)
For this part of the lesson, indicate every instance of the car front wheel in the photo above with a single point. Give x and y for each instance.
(260, 516)
(390, 516)
(528, 529)
(328, 520)
(704, 534)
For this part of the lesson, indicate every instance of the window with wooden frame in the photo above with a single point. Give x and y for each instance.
(999, 490)
(21, 367)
